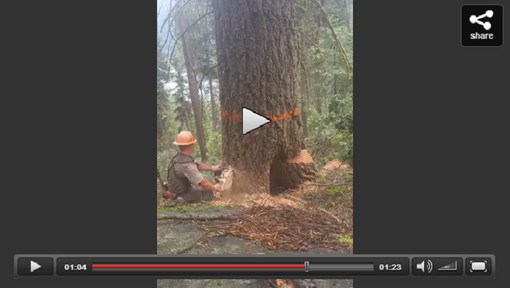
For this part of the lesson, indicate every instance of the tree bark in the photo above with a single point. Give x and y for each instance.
(257, 70)
(193, 88)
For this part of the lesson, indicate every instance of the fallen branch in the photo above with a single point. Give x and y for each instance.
(329, 185)
(265, 200)
(331, 215)
(196, 217)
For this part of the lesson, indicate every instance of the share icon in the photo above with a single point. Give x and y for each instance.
(476, 19)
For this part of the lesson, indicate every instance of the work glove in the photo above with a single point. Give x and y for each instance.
(217, 186)
(169, 195)
(216, 168)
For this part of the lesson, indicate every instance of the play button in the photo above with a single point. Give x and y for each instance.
(35, 266)
(252, 120)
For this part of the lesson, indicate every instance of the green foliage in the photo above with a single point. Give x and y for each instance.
(330, 134)
(337, 190)
(345, 238)
(163, 161)
(175, 111)
(330, 113)
(214, 146)
(343, 144)
(346, 37)
(340, 112)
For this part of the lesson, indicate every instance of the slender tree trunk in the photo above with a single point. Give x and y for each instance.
(257, 70)
(187, 121)
(344, 13)
(319, 93)
(304, 80)
(305, 104)
(304, 83)
(214, 108)
(335, 77)
(193, 89)
(318, 84)
(202, 99)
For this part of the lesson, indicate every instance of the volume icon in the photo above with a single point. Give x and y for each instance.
(421, 266)
(425, 266)
(430, 266)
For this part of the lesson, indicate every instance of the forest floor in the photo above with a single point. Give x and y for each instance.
(263, 224)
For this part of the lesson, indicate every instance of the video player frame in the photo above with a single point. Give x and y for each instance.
(255, 128)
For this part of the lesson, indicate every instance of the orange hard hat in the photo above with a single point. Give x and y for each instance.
(185, 138)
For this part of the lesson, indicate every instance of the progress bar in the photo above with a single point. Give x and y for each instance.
(131, 267)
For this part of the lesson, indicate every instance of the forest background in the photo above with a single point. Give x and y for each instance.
(325, 93)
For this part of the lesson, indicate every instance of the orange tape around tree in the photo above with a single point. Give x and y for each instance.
(273, 118)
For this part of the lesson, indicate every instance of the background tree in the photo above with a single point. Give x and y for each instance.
(161, 97)
(192, 82)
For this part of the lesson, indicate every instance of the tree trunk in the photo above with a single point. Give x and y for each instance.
(319, 94)
(186, 121)
(335, 77)
(193, 89)
(305, 97)
(257, 70)
(344, 13)
(304, 80)
(202, 99)
(318, 79)
(210, 76)
(214, 109)
(159, 126)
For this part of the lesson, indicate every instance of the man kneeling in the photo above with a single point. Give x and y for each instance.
(184, 177)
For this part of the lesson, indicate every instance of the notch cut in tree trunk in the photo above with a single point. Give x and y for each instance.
(283, 175)
(288, 174)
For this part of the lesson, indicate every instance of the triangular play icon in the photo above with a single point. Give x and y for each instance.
(252, 120)
(34, 266)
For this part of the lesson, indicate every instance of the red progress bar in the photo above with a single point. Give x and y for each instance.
(198, 266)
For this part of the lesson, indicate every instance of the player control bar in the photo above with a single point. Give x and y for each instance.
(256, 266)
